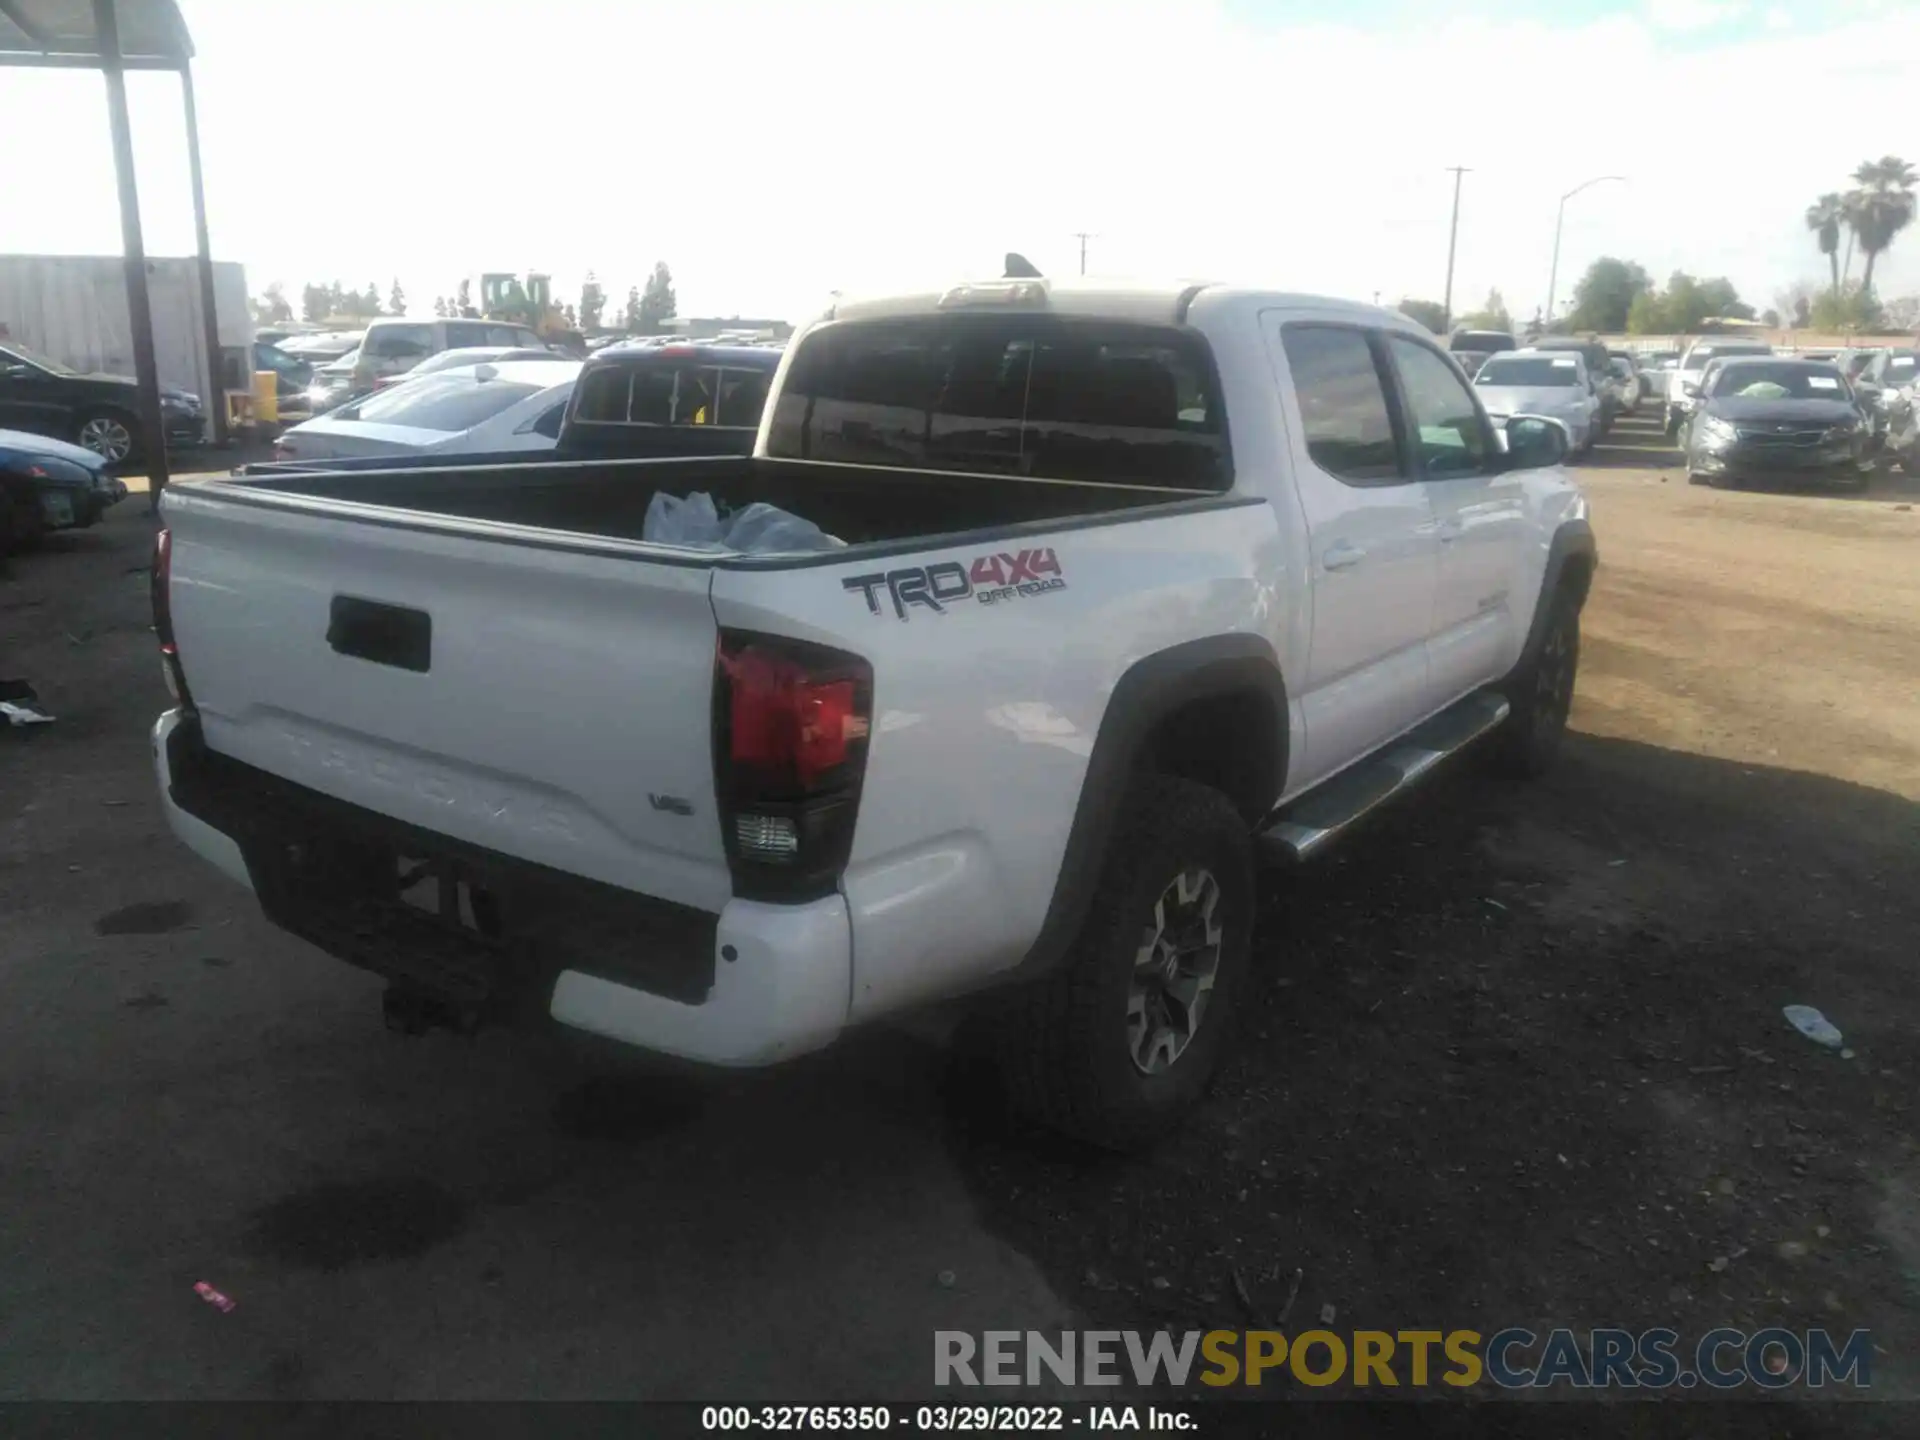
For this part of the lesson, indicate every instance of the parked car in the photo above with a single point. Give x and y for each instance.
(50, 485)
(43, 397)
(1656, 372)
(1626, 380)
(392, 347)
(1776, 418)
(1687, 373)
(628, 404)
(1852, 362)
(322, 346)
(514, 406)
(1536, 382)
(1133, 582)
(1598, 375)
(1886, 388)
(1472, 347)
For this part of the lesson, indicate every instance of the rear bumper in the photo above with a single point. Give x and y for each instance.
(757, 984)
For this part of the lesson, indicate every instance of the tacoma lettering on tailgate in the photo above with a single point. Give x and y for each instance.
(987, 579)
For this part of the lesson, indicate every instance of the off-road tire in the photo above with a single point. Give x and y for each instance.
(1062, 1044)
(1539, 695)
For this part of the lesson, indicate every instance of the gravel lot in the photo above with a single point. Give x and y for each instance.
(1519, 1059)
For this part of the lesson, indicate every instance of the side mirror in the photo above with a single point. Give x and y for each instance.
(1535, 442)
(1689, 388)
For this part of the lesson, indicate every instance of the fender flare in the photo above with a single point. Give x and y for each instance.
(1150, 690)
(1572, 541)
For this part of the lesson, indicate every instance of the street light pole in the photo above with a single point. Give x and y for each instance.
(1553, 275)
(1453, 235)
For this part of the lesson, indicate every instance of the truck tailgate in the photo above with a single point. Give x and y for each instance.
(551, 705)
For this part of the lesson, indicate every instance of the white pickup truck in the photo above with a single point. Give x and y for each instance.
(1137, 583)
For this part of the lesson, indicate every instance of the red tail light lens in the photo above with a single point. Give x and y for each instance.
(160, 591)
(791, 722)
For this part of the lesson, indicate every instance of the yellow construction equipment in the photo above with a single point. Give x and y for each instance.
(503, 296)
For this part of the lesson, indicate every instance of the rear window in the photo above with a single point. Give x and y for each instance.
(1029, 394)
(400, 341)
(441, 402)
(1542, 372)
(673, 394)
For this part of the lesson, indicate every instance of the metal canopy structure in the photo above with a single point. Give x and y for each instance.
(113, 37)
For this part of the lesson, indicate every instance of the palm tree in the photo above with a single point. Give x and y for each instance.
(1824, 218)
(1882, 206)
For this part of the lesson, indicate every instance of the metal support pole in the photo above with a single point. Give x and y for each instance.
(216, 384)
(1453, 235)
(1553, 275)
(139, 307)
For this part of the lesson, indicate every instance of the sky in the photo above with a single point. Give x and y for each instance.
(773, 153)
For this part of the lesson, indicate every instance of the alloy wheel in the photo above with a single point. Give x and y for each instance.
(1174, 970)
(107, 438)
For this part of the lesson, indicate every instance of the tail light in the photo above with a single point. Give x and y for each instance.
(790, 750)
(161, 591)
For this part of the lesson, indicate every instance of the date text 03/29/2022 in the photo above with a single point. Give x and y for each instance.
(948, 1419)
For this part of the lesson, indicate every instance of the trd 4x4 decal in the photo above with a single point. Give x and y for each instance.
(988, 579)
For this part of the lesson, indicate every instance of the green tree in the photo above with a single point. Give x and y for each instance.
(337, 299)
(1493, 315)
(1854, 308)
(396, 299)
(440, 306)
(371, 299)
(1904, 313)
(270, 307)
(1824, 218)
(1723, 301)
(1603, 299)
(315, 304)
(593, 301)
(657, 305)
(1770, 319)
(630, 318)
(1429, 313)
(1802, 312)
(1648, 315)
(1881, 207)
(463, 301)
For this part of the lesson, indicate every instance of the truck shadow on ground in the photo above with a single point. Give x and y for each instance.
(1518, 1059)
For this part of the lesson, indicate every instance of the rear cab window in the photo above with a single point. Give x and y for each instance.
(1052, 397)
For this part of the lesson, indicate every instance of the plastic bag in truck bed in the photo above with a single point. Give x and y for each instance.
(757, 529)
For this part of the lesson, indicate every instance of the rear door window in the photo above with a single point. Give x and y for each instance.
(1344, 410)
(1037, 395)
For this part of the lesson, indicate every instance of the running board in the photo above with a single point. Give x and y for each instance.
(1307, 825)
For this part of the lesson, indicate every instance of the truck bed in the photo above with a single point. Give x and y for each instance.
(859, 504)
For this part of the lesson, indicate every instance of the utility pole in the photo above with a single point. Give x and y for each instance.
(1083, 236)
(1453, 236)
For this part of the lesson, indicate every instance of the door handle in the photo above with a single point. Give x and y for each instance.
(1342, 556)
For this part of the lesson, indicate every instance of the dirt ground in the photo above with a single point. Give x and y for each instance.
(1518, 1059)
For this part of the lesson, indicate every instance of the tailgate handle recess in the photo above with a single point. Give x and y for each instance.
(385, 634)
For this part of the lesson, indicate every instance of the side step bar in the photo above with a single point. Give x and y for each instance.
(1307, 825)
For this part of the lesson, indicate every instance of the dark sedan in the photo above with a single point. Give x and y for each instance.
(1770, 418)
(40, 395)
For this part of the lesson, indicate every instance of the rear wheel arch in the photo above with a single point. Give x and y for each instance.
(1213, 711)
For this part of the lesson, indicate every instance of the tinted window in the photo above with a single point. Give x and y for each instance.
(443, 402)
(1760, 380)
(1540, 373)
(549, 423)
(1343, 404)
(463, 335)
(400, 342)
(743, 395)
(1060, 399)
(670, 394)
(1900, 369)
(1453, 437)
